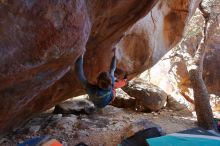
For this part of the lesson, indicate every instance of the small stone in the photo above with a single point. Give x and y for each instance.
(57, 116)
(83, 133)
(64, 143)
(34, 129)
(66, 123)
(155, 114)
(104, 129)
(3, 140)
(27, 137)
(73, 116)
(173, 114)
(20, 141)
(164, 109)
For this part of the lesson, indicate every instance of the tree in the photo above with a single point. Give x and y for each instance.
(195, 70)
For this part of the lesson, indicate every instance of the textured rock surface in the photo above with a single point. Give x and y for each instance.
(74, 106)
(40, 41)
(154, 35)
(170, 73)
(173, 104)
(123, 100)
(112, 125)
(150, 97)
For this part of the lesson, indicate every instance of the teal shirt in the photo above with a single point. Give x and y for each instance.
(100, 97)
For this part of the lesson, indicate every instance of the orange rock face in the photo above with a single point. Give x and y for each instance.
(40, 41)
(171, 73)
(154, 35)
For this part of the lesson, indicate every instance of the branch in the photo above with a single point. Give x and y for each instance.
(200, 52)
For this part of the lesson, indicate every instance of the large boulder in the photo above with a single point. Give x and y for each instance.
(123, 100)
(149, 97)
(170, 73)
(40, 41)
(153, 36)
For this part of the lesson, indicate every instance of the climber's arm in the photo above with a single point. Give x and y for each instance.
(113, 66)
(79, 70)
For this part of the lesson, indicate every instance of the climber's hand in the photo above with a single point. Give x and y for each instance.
(113, 50)
(125, 76)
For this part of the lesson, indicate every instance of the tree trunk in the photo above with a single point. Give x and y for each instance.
(195, 70)
(201, 98)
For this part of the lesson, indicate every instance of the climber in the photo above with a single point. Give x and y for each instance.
(101, 94)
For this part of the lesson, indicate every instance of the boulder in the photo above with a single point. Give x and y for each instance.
(143, 45)
(149, 97)
(40, 41)
(75, 106)
(123, 100)
(170, 73)
(173, 104)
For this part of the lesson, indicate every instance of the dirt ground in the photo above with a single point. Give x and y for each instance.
(101, 128)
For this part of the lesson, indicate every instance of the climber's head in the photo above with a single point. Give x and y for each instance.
(104, 80)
